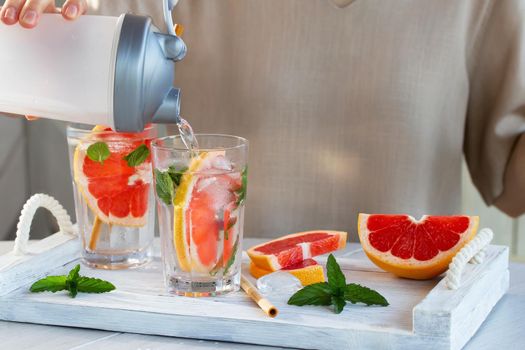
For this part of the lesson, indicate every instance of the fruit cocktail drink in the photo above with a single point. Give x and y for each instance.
(112, 180)
(200, 199)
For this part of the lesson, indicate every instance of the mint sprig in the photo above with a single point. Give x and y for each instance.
(73, 283)
(137, 156)
(98, 152)
(336, 292)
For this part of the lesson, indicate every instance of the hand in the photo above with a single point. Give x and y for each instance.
(27, 12)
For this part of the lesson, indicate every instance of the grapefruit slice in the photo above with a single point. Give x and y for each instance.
(417, 249)
(117, 193)
(205, 204)
(294, 248)
(307, 271)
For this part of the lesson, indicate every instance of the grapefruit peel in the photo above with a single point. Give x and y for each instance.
(308, 272)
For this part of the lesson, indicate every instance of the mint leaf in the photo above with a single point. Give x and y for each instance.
(231, 260)
(94, 285)
(217, 266)
(73, 274)
(164, 186)
(339, 303)
(215, 269)
(314, 294)
(231, 222)
(98, 152)
(167, 181)
(241, 193)
(355, 293)
(72, 281)
(137, 156)
(49, 284)
(336, 278)
(176, 174)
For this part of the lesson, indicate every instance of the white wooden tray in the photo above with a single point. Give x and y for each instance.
(421, 315)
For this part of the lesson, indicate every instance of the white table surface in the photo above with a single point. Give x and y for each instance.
(504, 329)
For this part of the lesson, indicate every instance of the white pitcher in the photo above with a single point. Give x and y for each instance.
(115, 71)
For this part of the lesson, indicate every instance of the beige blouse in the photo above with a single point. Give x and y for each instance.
(366, 107)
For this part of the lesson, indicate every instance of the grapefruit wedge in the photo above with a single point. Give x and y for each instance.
(307, 271)
(116, 192)
(205, 204)
(417, 249)
(294, 248)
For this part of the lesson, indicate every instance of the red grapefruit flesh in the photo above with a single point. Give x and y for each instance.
(418, 249)
(293, 249)
(302, 264)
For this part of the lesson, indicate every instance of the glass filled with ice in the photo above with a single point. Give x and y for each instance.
(113, 187)
(200, 197)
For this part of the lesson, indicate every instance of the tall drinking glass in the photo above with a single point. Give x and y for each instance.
(200, 199)
(112, 180)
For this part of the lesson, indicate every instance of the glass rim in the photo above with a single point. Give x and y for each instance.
(155, 143)
(79, 132)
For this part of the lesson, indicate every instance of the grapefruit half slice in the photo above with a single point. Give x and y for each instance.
(116, 192)
(205, 204)
(294, 248)
(417, 249)
(307, 271)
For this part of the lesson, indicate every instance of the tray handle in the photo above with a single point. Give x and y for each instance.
(473, 252)
(23, 227)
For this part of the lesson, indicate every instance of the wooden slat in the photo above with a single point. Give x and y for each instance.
(43, 256)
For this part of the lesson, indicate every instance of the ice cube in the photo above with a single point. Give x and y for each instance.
(222, 163)
(205, 182)
(278, 284)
